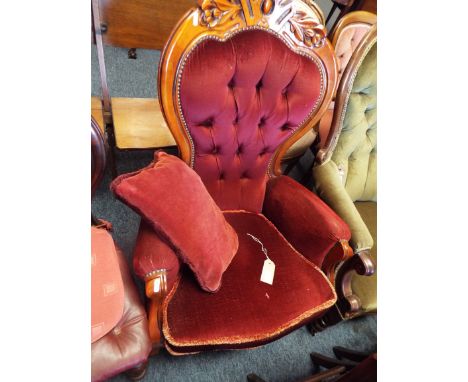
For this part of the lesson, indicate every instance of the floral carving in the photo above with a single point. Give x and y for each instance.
(215, 12)
(307, 30)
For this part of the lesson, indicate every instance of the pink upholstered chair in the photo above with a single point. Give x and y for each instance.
(239, 83)
(346, 36)
(119, 328)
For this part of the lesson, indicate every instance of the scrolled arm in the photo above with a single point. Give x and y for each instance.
(330, 188)
(157, 264)
(362, 264)
(156, 291)
(306, 221)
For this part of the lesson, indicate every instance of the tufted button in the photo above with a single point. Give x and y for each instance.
(259, 85)
(117, 330)
(244, 175)
(236, 120)
(207, 123)
(231, 83)
(261, 123)
(221, 176)
(264, 151)
(215, 150)
(285, 127)
(240, 149)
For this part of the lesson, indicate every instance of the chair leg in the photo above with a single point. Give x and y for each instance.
(353, 355)
(327, 362)
(112, 147)
(252, 377)
(330, 318)
(138, 372)
(330, 14)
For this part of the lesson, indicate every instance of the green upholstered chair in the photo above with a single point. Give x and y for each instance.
(345, 38)
(345, 176)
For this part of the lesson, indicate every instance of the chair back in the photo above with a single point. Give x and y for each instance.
(352, 142)
(239, 82)
(348, 34)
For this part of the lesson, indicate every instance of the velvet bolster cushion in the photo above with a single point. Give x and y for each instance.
(246, 312)
(175, 203)
(307, 222)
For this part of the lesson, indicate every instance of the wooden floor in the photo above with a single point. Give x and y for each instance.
(138, 123)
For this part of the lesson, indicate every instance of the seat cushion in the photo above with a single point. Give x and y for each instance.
(127, 344)
(365, 287)
(246, 312)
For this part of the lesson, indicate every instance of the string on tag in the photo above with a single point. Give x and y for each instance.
(264, 250)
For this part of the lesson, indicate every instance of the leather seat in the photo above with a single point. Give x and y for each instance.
(127, 345)
(246, 312)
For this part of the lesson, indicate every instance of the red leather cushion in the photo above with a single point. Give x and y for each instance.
(241, 99)
(107, 290)
(246, 312)
(128, 344)
(174, 201)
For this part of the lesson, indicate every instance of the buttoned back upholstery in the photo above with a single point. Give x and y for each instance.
(355, 153)
(240, 99)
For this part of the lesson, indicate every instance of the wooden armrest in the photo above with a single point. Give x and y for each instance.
(361, 263)
(156, 291)
(340, 252)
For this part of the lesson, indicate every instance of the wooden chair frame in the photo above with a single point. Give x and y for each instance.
(356, 17)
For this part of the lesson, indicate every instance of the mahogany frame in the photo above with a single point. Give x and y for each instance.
(299, 23)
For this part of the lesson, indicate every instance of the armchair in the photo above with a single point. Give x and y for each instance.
(345, 38)
(239, 83)
(345, 176)
(119, 327)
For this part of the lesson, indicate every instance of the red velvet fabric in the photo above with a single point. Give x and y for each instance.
(174, 201)
(246, 312)
(152, 253)
(303, 218)
(241, 99)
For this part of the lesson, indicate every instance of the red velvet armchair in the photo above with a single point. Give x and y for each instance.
(239, 82)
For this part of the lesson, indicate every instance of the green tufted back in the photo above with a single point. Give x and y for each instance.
(356, 151)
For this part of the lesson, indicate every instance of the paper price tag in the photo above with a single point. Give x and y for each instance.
(268, 272)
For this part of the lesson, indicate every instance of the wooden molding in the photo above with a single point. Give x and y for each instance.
(340, 252)
(361, 263)
(299, 23)
(357, 17)
(342, 96)
(156, 291)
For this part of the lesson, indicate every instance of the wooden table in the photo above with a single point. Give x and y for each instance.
(138, 123)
